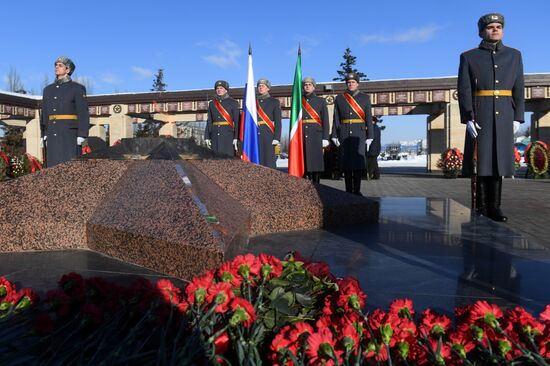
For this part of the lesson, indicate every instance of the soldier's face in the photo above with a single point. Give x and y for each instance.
(61, 70)
(262, 89)
(309, 88)
(493, 32)
(221, 91)
(352, 85)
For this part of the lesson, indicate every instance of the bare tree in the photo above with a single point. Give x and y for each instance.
(87, 82)
(14, 83)
(45, 81)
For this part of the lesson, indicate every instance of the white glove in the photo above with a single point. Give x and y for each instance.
(325, 143)
(275, 142)
(369, 141)
(43, 142)
(472, 128)
(235, 144)
(516, 126)
(336, 142)
(80, 140)
(208, 143)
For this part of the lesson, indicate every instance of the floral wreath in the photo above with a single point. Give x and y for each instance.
(451, 160)
(517, 158)
(536, 157)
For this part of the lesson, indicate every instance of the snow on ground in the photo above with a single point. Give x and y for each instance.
(415, 161)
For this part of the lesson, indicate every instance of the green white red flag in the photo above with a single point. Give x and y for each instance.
(296, 146)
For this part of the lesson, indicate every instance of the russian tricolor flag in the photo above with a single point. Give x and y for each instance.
(249, 119)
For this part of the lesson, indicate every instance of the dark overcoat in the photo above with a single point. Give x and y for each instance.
(352, 136)
(486, 69)
(62, 99)
(272, 108)
(314, 133)
(217, 128)
(376, 145)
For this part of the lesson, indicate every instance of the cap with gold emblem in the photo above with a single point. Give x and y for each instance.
(488, 19)
(309, 79)
(67, 62)
(224, 84)
(265, 82)
(352, 76)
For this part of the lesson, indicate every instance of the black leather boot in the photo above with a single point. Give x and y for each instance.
(348, 180)
(482, 195)
(316, 177)
(495, 212)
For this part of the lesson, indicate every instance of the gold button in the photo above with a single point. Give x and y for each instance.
(494, 52)
(54, 97)
(496, 66)
(496, 96)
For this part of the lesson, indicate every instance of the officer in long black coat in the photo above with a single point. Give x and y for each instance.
(491, 98)
(315, 130)
(222, 126)
(373, 170)
(352, 129)
(65, 119)
(269, 120)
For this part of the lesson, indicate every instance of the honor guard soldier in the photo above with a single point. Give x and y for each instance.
(315, 132)
(373, 171)
(352, 131)
(222, 125)
(491, 100)
(269, 121)
(65, 119)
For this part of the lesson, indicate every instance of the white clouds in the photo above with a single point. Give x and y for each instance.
(227, 55)
(142, 73)
(411, 35)
(110, 78)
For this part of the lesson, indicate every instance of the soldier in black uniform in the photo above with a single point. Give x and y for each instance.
(315, 132)
(269, 120)
(352, 129)
(222, 125)
(491, 98)
(65, 119)
(373, 170)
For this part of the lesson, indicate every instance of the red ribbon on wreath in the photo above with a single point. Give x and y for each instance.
(35, 164)
(5, 157)
(526, 154)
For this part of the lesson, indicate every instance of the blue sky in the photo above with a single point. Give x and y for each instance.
(118, 45)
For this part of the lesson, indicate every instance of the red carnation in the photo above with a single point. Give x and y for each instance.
(280, 345)
(169, 292)
(320, 270)
(545, 315)
(227, 273)
(243, 312)
(73, 285)
(92, 315)
(221, 343)
(196, 290)
(461, 343)
(247, 265)
(6, 287)
(221, 294)
(403, 308)
(271, 266)
(487, 313)
(520, 321)
(350, 296)
(544, 343)
(433, 323)
(59, 302)
(321, 348)
(25, 298)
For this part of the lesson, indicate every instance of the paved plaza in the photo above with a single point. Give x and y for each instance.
(426, 246)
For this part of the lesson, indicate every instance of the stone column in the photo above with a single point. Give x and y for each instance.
(32, 138)
(120, 124)
(540, 126)
(436, 136)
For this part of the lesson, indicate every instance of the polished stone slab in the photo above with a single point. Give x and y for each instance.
(429, 250)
